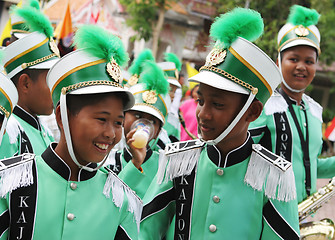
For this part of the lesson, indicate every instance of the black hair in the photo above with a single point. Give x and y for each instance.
(75, 103)
(32, 73)
(2, 117)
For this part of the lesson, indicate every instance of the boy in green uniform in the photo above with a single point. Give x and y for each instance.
(8, 100)
(137, 167)
(63, 193)
(27, 62)
(291, 122)
(172, 67)
(222, 186)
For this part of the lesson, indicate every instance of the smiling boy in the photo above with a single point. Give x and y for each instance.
(65, 194)
(291, 122)
(223, 186)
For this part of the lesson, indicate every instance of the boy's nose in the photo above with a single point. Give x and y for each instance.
(109, 131)
(203, 113)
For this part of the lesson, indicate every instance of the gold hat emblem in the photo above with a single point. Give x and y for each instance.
(53, 47)
(301, 31)
(114, 70)
(149, 97)
(215, 57)
(133, 80)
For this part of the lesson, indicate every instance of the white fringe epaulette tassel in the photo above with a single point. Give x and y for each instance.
(263, 174)
(119, 189)
(275, 104)
(16, 177)
(13, 129)
(114, 184)
(135, 206)
(314, 107)
(181, 164)
(163, 159)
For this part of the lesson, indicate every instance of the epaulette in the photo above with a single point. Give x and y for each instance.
(118, 188)
(275, 104)
(13, 129)
(271, 173)
(178, 159)
(16, 172)
(315, 108)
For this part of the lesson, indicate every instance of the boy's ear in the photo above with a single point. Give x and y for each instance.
(23, 83)
(254, 111)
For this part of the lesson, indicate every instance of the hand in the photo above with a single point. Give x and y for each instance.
(138, 154)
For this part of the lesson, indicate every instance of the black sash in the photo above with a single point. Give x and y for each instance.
(25, 144)
(22, 206)
(184, 199)
(304, 143)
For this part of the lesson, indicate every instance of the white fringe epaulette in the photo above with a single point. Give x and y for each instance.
(178, 159)
(118, 188)
(275, 104)
(314, 107)
(46, 128)
(13, 129)
(16, 172)
(271, 173)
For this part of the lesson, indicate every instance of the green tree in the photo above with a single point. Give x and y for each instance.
(146, 17)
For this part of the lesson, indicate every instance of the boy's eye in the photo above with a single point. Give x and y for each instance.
(200, 101)
(137, 115)
(218, 104)
(153, 122)
(119, 123)
(102, 119)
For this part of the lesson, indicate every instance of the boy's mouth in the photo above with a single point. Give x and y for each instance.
(102, 146)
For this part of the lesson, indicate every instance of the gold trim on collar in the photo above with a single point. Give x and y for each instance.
(251, 68)
(27, 51)
(10, 103)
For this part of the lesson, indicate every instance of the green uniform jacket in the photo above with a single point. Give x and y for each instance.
(275, 129)
(98, 206)
(37, 134)
(120, 163)
(214, 202)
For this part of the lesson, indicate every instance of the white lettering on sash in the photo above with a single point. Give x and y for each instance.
(23, 201)
(21, 231)
(181, 236)
(181, 224)
(183, 181)
(22, 218)
(181, 209)
(182, 195)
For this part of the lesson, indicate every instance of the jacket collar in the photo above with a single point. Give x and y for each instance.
(27, 117)
(235, 156)
(59, 166)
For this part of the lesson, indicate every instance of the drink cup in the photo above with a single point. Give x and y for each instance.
(144, 131)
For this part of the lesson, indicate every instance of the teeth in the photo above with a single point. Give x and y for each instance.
(102, 146)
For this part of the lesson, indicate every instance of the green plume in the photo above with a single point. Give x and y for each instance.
(153, 78)
(137, 65)
(34, 19)
(171, 57)
(100, 43)
(240, 22)
(300, 15)
(32, 3)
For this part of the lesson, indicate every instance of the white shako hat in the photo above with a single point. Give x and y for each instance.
(18, 20)
(237, 65)
(171, 68)
(36, 50)
(8, 100)
(151, 93)
(300, 29)
(92, 69)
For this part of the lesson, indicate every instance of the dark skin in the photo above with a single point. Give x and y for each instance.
(34, 94)
(298, 68)
(95, 129)
(216, 110)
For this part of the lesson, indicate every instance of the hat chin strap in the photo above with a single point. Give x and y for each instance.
(232, 124)
(3, 127)
(283, 80)
(68, 139)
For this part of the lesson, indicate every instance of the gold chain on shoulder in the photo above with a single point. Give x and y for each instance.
(253, 89)
(37, 61)
(149, 105)
(70, 88)
(5, 111)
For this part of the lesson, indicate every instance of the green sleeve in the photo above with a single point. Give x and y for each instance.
(4, 218)
(158, 211)
(326, 167)
(256, 128)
